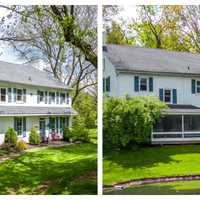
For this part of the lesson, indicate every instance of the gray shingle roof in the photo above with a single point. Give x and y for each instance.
(28, 75)
(129, 58)
(27, 110)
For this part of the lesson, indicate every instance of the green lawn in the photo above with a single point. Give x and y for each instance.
(53, 170)
(171, 188)
(151, 162)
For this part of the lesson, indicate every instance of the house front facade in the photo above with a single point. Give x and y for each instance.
(173, 77)
(32, 98)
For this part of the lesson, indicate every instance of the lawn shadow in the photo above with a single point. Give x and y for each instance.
(41, 173)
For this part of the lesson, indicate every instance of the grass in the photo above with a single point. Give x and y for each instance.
(171, 188)
(151, 162)
(53, 170)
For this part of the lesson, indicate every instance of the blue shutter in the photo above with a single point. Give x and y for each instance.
(193, 86)
(108, 84)
(46, 97)
(103, 84)
(174, 91)
(136, 83)
(161, 94)
(150, 84)
(14, 94)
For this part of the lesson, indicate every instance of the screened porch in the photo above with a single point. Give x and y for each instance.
(177, 128)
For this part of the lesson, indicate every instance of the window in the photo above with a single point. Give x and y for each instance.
(170, 123)
(167, 96)
(41, 96)
(52, 123)
(51, 97)
(198, 86)
(3, 95)
(19, 95)
(62, 98)
(143, 84)
(20, 125)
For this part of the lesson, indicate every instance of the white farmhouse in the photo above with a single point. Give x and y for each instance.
(174, 77)
(31, 98)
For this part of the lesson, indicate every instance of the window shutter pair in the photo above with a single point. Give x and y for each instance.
(174, 95)
(136, 84)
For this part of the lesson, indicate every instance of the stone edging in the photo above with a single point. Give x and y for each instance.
(124, 184)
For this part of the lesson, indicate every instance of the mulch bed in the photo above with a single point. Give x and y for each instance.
(125, 184)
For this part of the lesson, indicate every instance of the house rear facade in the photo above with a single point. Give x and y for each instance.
(32, 98)
(173, 77)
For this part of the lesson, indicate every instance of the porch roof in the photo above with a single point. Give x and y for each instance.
(181, 109)
(35, 111)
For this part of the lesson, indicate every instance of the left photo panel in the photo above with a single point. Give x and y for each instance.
(48, 99)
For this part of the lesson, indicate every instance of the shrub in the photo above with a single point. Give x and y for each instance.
(66, 134)
(79, 131)
(34, 137)
(129, 121)
(21, 145)
(11, 137)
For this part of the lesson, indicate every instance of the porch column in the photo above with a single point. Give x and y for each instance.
(47, 127)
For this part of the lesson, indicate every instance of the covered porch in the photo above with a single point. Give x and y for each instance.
(180, 124)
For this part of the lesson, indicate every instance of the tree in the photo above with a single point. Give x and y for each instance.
(117, 36)
(86, 105)
(39, 35)
(129, 121)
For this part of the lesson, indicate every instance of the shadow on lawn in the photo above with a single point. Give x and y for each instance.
(51, 171)
(146, 157)
(153, 189)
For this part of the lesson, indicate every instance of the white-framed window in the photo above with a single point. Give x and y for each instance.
(143, 84)
(19, 95)
(52, 97)
(167, 95)
(62, 98)
(20, 125)
(41, 96)
(2, 94)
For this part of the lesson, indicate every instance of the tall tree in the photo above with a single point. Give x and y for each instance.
(38, 36)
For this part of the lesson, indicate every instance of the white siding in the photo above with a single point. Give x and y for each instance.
(182, 84)
(31, 95)
(109, 70)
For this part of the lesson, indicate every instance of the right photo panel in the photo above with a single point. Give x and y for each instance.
(151, 99)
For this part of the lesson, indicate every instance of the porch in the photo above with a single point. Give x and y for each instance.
(180, 124)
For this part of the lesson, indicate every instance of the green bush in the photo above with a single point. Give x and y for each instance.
(129, 121)
(21, 145)
(11, 137)
(34, 137)
(79, 132)
(66, 134)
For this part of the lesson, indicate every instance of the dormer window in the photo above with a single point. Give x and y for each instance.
(3, 95)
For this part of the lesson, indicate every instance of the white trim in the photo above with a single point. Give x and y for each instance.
(26, 115)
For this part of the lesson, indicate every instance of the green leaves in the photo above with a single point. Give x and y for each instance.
(128, 121)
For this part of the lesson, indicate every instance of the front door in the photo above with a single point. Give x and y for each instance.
(42, 129)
